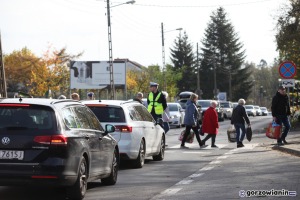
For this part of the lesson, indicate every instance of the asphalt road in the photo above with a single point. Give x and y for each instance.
(194, 173)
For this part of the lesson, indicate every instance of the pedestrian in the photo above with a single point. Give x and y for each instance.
(210, 124)
(166, 115)
(238, 118)
(191, 120)
(90, 96)
(280, 112)
(156, 101)
(62, 97)
(139, 97)
(75, 96)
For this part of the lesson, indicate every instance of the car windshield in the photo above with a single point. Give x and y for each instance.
(182, 102)
(203, 104)
(263, 108)
(225, 104)
(26, 117)
(173, 107)
(108, 114)
(249, 107)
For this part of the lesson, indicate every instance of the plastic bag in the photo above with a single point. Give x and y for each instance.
(231, 133)
(274, 130)
(190, 137)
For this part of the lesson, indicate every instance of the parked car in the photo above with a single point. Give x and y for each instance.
(137, 133)
(228, 108)
(264, 111)
(250, 110)
(234, 104)
(205, 104)
(176, 114)
(55, 143)
(258, 110)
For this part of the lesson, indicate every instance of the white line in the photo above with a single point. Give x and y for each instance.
(184, 182)
(200, 152)
(196, 175)
(222, 157)
(171, 191)
(214, 162)
(207, 168)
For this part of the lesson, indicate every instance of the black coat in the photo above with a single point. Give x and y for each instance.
(239, 115)
(280, 105)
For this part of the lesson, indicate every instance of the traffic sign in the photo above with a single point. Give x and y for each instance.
(288, 82)
(287, 69)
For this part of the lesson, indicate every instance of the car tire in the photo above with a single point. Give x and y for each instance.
(161, 154)
(112, 179)
(78, 190)
(140, 161)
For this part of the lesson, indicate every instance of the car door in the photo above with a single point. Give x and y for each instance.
(91, 137)
(149, 129)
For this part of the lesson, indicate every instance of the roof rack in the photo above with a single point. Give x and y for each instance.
(129, 101)
(63, 100)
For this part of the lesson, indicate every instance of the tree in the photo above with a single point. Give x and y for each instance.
(288, 33)
(182, 57)
(223, 55)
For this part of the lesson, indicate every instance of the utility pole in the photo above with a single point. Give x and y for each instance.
(230, 77)
(215, 76)
(163, 56)
(111, 65)
(3, 92)
(198, 91)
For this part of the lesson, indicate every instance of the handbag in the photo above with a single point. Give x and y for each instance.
(274, 130)
(231, 133)
(190, 137)
(249, 133)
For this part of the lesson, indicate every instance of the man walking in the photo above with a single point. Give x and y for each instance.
(157, 102)
(280, 112)
(239, 116)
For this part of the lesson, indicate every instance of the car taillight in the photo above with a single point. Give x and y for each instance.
(124, 129)
(51, 139)
(13, 105)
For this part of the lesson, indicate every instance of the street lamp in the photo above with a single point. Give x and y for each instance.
(163, 52)
(111, 67)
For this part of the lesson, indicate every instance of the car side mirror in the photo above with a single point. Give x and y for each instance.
(109, 128)
(160, 122)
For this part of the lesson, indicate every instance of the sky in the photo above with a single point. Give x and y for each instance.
(81, 25)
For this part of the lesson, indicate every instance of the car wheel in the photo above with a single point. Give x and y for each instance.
(112, 179)
(139, 162)
(161, 154)
(78, 190)
(179, 123)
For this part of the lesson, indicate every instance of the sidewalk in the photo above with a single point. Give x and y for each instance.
(293, 146)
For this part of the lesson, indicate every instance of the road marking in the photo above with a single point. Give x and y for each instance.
(184, 182)
(220, 146)
(207, 168)
(214, 162)
(171, 191)
(199, 152)
(196, 175)
(195, 145)
(222, 157)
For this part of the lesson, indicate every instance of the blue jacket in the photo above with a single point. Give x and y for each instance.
(191, 114)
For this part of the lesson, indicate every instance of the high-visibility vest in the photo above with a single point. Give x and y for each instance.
(158, 107)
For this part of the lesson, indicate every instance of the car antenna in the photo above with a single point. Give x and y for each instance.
(20, 99)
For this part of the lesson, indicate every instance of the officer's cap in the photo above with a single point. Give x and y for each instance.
(152, 84)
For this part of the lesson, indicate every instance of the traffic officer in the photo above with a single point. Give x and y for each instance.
(157, 102)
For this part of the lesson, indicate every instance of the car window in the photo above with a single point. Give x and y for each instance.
(134, 115)
(68, 117)
(29, 117)
(143, 112)
(82, 119)
(173, 107)
(203, 104)
(249, 107)
(108, 113)
(94, 122)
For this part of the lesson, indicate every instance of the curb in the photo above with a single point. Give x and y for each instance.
(287, 150)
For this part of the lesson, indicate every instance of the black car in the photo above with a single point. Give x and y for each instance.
(55, 143)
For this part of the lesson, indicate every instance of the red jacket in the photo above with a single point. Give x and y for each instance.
(210, 123)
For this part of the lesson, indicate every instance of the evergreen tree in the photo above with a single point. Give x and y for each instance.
(223, 52)
(182, 57)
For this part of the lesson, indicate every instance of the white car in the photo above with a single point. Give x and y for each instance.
(227, 108)
(264, 111)
(176, 114)
(258, 110)
(137, 133)
(250, 110)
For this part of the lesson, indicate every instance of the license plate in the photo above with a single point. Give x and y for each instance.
(5, 154)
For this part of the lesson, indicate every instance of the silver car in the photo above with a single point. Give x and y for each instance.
(176, 114)
(250, 110)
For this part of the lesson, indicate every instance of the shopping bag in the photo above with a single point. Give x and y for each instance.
(190, 137)
(249, 133)
(231, 133)
(274, 130)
